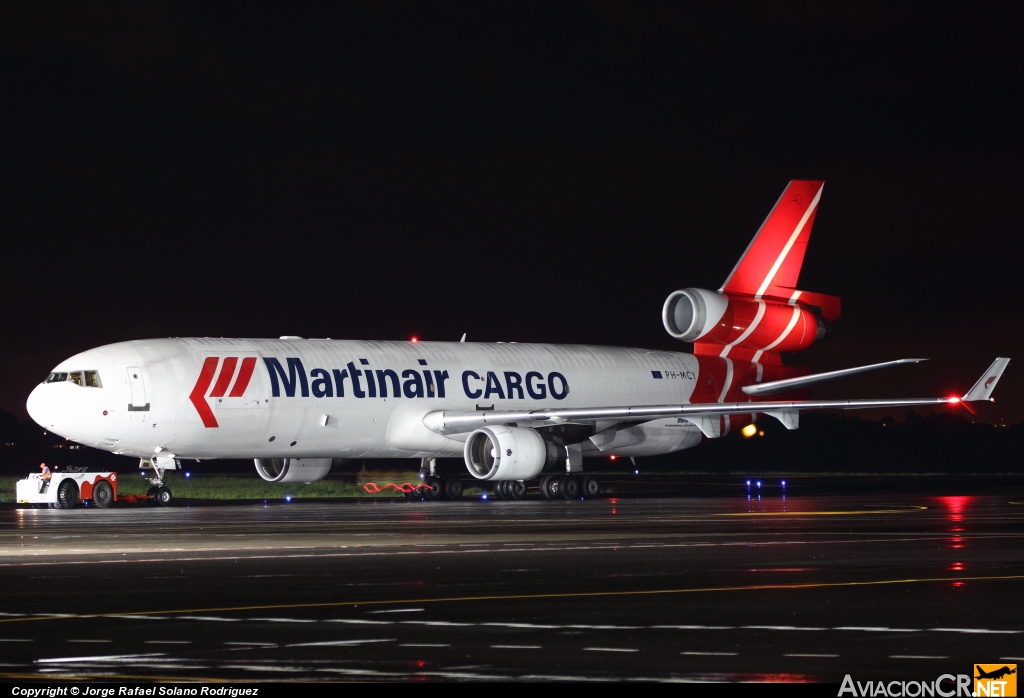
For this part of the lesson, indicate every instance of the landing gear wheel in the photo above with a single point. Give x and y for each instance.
(517, 489)
(102, 494)
(67, 494)
(453, 488)
(163, 495)
(570, 487)
(433, 491)
(591, 487)
(550, 487)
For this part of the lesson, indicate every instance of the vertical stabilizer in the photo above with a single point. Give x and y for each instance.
(771, 264)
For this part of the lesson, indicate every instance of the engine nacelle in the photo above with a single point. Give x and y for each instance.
(293, 469)
(691, 313)
(706, 317)
(508, 453)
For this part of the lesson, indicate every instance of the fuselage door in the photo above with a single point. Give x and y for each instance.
(137, 386)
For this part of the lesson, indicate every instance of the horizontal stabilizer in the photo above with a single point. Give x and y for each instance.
(805, 381)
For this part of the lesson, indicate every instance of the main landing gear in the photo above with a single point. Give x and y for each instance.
(557, 486)
(434, 486)
(159, 493)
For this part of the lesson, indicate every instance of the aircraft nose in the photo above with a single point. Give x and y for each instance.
(39, 408)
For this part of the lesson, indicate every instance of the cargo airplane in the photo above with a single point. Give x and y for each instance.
(515, 413)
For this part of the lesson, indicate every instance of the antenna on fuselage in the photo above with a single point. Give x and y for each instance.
(463, 337)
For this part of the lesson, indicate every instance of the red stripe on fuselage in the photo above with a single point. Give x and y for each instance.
(227, 372)
(198, 395)
(244, 375)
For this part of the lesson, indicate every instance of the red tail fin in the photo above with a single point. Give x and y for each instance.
(771, 264)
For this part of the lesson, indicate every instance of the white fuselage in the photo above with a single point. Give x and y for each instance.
(298, 398)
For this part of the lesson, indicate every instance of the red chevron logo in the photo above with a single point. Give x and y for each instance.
(226, 378)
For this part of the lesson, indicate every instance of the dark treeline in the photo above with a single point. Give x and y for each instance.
(824, 443)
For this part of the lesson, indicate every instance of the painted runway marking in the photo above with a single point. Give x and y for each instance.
(441, 623)
(711, 654)
(915, 656)
(516, 647)
(338, 643)
(609, 649)
(101, 658)
(812, 656)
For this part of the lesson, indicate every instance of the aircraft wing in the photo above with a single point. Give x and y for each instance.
(703, 415)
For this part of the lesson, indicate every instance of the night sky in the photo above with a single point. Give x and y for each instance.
(532, 172)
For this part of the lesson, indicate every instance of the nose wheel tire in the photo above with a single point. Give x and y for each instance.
(163, 495)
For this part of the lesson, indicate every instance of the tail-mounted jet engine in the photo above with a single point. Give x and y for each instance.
(293, 469)
(509, 453)
(707, 317)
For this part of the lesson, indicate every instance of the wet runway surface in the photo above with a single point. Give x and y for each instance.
(693, 581)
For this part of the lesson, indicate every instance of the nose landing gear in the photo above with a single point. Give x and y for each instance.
(159, 493)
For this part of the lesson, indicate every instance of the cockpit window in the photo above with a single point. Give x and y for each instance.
(89, 379)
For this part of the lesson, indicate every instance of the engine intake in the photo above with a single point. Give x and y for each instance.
(508, 453)
(293, 469)
(691, 313)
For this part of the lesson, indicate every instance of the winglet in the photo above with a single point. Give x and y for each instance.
(982, 390)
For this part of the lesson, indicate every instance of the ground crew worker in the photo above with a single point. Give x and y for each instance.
(45, 478)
